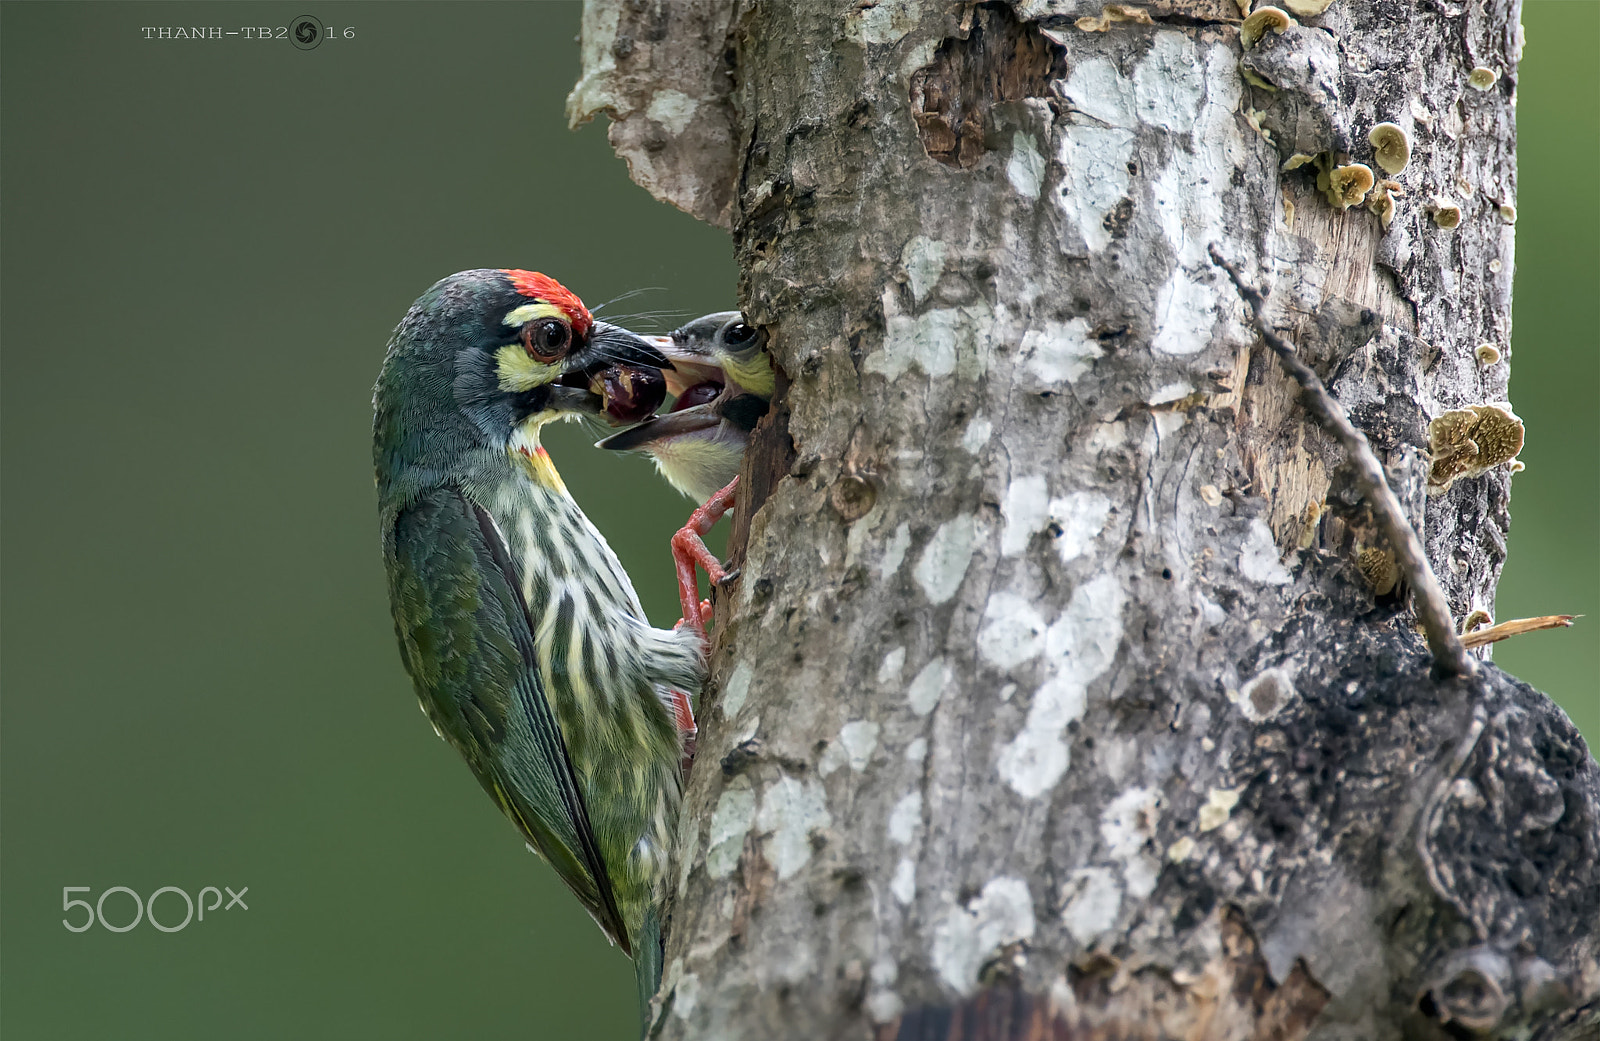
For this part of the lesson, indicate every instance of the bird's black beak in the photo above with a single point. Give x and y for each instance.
(613, 374)
(614, 345)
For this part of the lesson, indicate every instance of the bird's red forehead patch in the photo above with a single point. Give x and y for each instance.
(547, 290)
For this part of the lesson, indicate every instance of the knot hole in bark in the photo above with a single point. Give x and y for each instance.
(997, 59)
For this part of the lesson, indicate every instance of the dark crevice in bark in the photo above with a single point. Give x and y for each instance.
(996, 59)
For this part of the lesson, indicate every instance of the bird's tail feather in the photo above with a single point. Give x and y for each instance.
(647, 952)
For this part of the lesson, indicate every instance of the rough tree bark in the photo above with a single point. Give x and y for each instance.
(1051, 700)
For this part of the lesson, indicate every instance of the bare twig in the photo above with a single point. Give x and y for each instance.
(1433, 610)
(1516, 627)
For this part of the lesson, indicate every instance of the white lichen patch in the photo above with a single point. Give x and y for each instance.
(1080, 517)
(1127, 825)
(1025, 508)
(1218, 805)
(966, 936)
(790, 811)
(1169, 83)
(904, 883)
(1266, 695)
(1185, 314)
(1087, 634)
(1099, 91)
(926, 341)
(889, 669)
(938, 341)
(1060, 352)
(853, 748)
(1094, 162)
(1090, 901)
(1169, 392)
(730, 820)
(1025, 169)
(894, 551)
(736, 690)
(688, 851)
(1258, 557)
(1082, 644)
(977, 434)
(673, 109)
(917, 750)
(1189, 201)
(883, 23)
(923, 260)
(1169, 422)
(884, 1006)
(1013, 632)
(928, 686)
(905, 817)
(945, 559)
(1076, 519)
(686, 995)
(1129, 821)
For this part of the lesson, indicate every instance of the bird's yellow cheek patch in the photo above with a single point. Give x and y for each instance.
(753, 374)
(518, 372)
(515, 369)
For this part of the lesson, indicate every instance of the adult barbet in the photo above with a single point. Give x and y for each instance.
(521, 631)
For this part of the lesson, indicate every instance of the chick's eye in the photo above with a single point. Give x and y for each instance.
(739, 334)
(546, 338)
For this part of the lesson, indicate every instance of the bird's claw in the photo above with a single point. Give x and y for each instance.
(689, 551)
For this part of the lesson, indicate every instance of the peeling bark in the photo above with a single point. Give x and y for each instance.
(1051, 701)
(663, 73)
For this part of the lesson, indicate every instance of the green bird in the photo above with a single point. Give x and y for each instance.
(723, 380)
(521, 631)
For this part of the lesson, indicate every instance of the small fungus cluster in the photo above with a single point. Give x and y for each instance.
(1468, 442)
(1111, 14)
(1378, 569)
(1382, 201)
(1391, 148)
(1345, 186)
(1253, 28)
(1446, 213)
(1350, 184)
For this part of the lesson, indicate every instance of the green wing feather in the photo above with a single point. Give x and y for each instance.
(467, 640)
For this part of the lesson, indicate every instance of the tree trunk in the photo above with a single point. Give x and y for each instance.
(1051, 700)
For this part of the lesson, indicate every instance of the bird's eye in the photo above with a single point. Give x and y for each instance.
(739, 334)
(546, 338)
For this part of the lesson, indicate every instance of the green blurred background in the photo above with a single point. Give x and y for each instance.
(205, 247)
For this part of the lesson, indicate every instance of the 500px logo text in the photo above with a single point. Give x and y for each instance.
(194, 909)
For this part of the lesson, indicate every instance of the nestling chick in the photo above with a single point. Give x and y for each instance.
(722, 379)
